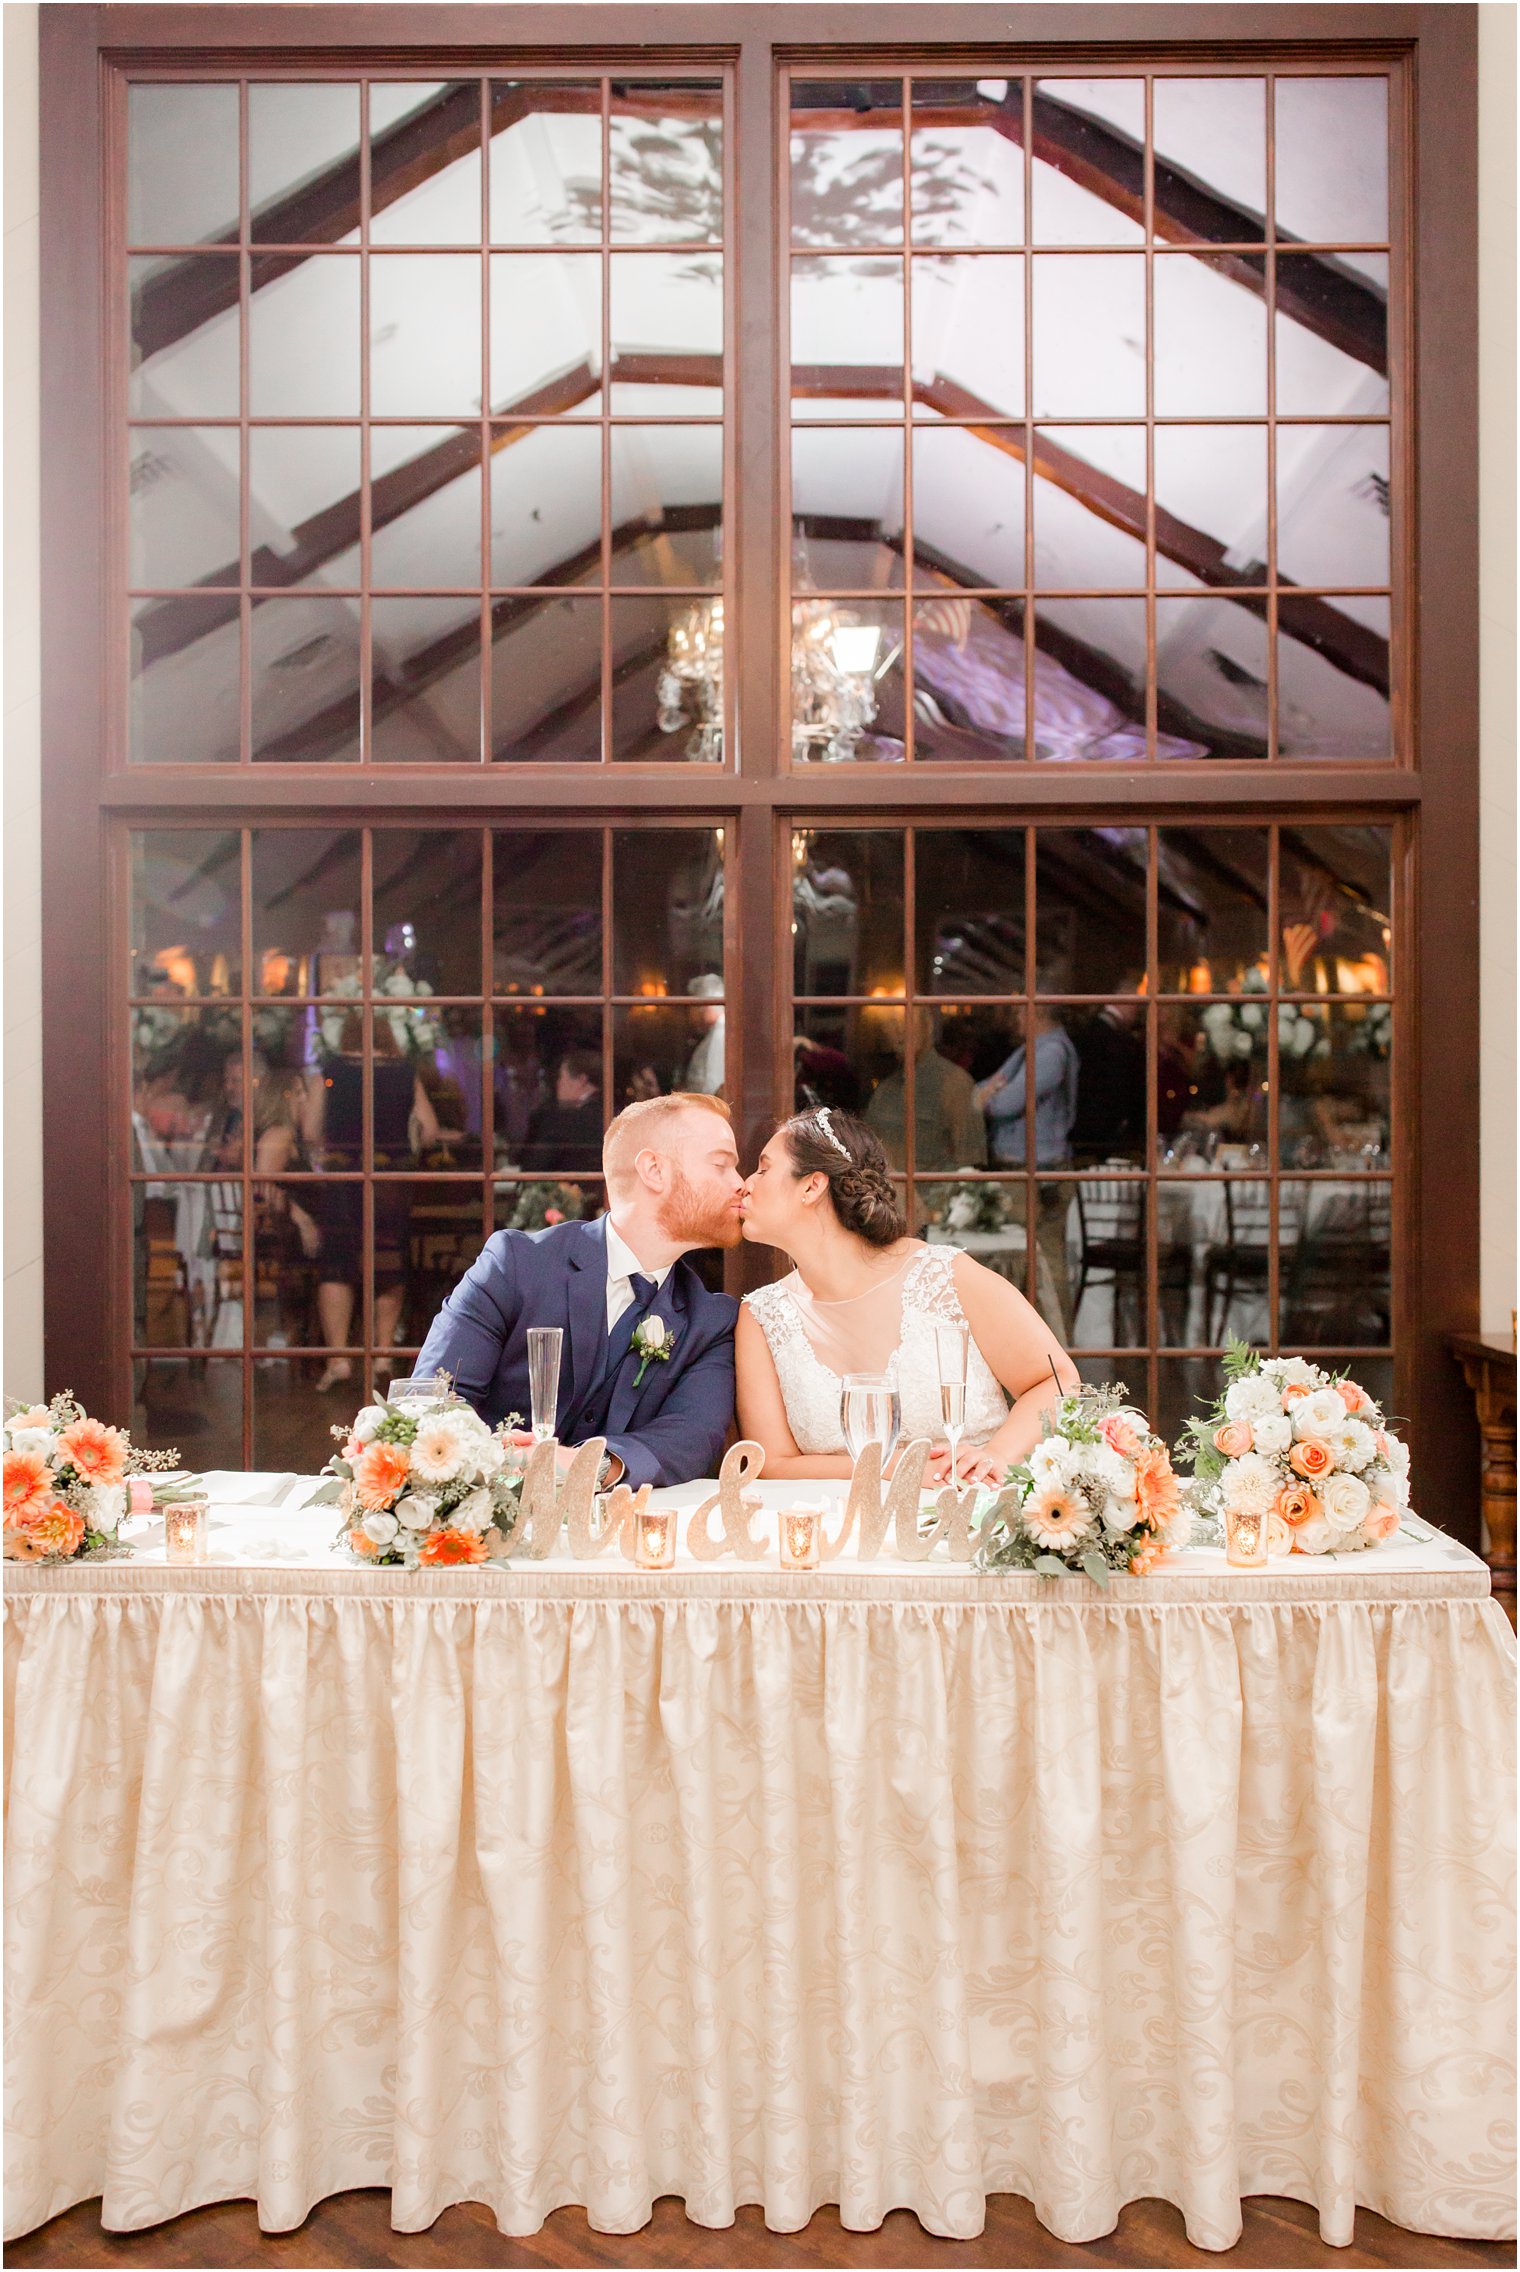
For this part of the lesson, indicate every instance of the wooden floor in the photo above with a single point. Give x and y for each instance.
(354, 2229)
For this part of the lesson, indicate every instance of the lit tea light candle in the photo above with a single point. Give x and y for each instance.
(800, 1537)
(185, 1530)
(1245, 1540)
(655, 1538)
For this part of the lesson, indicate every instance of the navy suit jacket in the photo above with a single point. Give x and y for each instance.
(669, 1429)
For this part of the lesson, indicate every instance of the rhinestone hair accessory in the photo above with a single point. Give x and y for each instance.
(821, 1115)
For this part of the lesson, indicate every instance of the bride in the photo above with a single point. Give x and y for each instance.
(863, 1297)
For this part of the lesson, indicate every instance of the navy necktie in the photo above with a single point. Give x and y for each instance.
(620, 1338)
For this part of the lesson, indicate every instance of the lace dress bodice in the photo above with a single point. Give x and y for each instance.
(812, 1390)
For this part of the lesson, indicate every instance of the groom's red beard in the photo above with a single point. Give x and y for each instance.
(697, 1220)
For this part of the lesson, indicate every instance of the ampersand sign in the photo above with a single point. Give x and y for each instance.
(736, 1507)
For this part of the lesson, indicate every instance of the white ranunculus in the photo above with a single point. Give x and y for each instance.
(1397, 1455)
(653, 1332)
(1279, 1534)
(1345, 1499)
(1050, 1460)
(370, 1422)
(1291, 1372)
(1353, 1444)
(1316, 1536)
(1318, 1413)
(1250, 1484)
(414, 1513)
(1118, 1516)
(1250, 1395)
(1273, 1432)
(473, 1513)
(103, 1506)
(380, 1527)
(39, 1440)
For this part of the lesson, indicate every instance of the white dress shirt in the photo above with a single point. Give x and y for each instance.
(622, 1262)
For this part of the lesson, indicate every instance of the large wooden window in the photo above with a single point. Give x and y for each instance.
(897, 569)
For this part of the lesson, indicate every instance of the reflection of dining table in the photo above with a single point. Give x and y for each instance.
(1192, 1212)
(174, 1156)
(1005, 1253)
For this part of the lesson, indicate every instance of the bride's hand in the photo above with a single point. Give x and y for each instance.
(974, 1466)
(937, 1466)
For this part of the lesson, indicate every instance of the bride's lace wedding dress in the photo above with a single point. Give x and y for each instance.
(807, 1339)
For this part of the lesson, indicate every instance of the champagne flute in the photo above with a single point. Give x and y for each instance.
(870, 1412)
(545, 1342)
(950, 1355)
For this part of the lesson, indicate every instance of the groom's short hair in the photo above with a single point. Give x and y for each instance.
(640, 1124)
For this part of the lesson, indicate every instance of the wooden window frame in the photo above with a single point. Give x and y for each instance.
(1433, 794)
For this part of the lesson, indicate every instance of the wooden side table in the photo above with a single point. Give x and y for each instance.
(1489, 1369)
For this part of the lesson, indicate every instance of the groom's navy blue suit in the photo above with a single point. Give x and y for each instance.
(669, 1429)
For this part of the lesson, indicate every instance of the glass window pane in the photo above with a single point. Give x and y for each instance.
(981, 1216)
(187, 931)
(548, 1090)
(546, 333)
(657, 714)
(847, 682)
(546, 504)
(1090, 910)
(967, 161)
(1333, 504)
(1335, 1281)
(667, 922)
(303, 504)
(842, 1056)
(1089, 508)
(292, 1408)
(437, 1051)
(1335, 897)
(846, 334)
(546, 681)
(424, 163)
(665, 316)
(1334, 1065)
(182, 163)
(1212, 1062)
(188, 1260)
(548, 916)
(303, 161)
(304, 670)
(1211, 503)
(183, 695)
(425, 680)
(1227, 1231)
(303, 338)
(186, 337)
(289, 1220)
(1089, 161)
(1089, 680)
(182, 484)
(847, 507)
(847, 911)
(659, 1047)
(546, 161)
(1211, 679)
(192, 1405)
(1332, 678)
(665, 152)
(1332, 160)
(1089, 336)
(968, 679)
(847, 162)
(968, 506)
(1004, 1098)
(948, 1130)
(1211, 909)
(424, 335)
(667, 504)
(306, 911)
(969, 916)
(427, 910)
(968, 334)
(1331, 335)
(425, 509)
(1110, 1123)
(1107, 1259)
(1211, 159)
(187, 1091)
(1211, 340)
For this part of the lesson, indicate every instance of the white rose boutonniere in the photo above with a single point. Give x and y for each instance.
(653, 1342)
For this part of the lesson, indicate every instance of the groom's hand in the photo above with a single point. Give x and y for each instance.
(521, 1439)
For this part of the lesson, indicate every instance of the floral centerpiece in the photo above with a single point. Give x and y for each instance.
(1097, 1493)
(535, 1206)
(425, 1485)
(1305, 1451)
(414, 1031)
(976, 1206)
(67, 1481)
(1237, 1029)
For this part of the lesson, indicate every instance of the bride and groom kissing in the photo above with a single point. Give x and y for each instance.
(657, 1365)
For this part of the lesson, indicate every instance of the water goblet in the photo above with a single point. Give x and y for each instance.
(870, 1412)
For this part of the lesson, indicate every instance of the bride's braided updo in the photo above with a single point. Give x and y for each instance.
(861, 1190)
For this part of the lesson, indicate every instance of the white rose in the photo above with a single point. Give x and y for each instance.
(1397, 1455)
(103, 1506)
(653, 1332)
(1273, 1432)
(381, 1528)
(1318, 1413)
(38, 1440)
(1291, 1372)
(1316, 1536)
(1118, 1516)
(1279, 1534)
(1352, 1444)
(1345, 1499)
(1250, 1395)
(370, 1422)
(414, 1513)
(473, 1513)
(1047, 1462)
(1250, 1484)
(1401, 1491)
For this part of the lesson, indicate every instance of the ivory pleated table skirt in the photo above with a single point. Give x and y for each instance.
(892, 1887)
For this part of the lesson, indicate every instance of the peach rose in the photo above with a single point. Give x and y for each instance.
(359, 1544)
(1296, 1503)
(448, 1546)
(1382, 1522)
(58, 1532)
(1352, 1395)
(1311, 1458)
(99, 1452)
(1155, 1487)
(1234, 1438)
(352, 1449)
(379, 1474)
(26, 1486)
(1121, 1436)
(1292, 1393)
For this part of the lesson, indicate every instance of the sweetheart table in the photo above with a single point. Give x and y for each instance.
(891, 1886)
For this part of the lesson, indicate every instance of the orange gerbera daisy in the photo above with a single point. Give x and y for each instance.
(26, 1486)
(1156, 1487)
(360, 1542)
(57, 1533)
(379, 1473)
(444, 1547)
(99, 1452)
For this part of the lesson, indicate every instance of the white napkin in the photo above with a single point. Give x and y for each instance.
(231, 1487)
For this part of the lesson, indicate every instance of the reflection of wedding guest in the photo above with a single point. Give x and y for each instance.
(948, 1131)
(644, 1084)
(704, 1074)
(567, 1134)
(824, 1076)
(520, 1086)
(1004, 1099)
(1110, 1115)
(1174, 1076)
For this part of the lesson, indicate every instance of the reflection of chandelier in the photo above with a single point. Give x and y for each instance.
(834, 673)
(691, 684)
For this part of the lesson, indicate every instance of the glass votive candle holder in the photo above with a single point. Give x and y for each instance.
(185, 1522)
(799, 1537)
(654, 1538)
(1245, 1539)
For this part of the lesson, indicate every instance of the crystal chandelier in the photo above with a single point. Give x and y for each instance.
(835, 667)
(690, 687)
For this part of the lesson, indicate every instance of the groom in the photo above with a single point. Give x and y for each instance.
(622, 1293)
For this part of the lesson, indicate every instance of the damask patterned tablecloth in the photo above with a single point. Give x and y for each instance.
(894, 1886)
